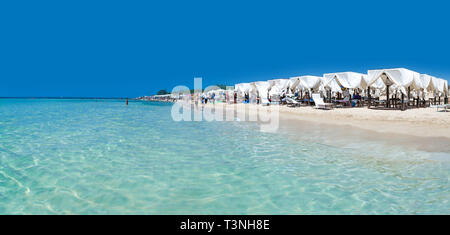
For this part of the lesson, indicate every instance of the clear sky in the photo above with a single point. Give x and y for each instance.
(133, 48)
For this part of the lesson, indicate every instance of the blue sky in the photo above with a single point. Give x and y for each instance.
(129, 49)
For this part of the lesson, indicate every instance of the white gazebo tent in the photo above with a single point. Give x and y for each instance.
(262, 90)
(334, 82)
(400, 79)
(252, 93)
(429, 84)
(277, 87)
(377, 88)
(445, 88)
(441, 89)
(436, 86)
(293, 85)
(311, 84)
(242, 89)
(349, 80)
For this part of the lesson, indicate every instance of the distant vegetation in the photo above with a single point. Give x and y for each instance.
(223, 86)
(162, 92)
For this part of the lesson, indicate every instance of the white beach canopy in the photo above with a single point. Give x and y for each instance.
(332, 83)
(399, 78)
(262, 87)
(293, 85)
(428, 82)
(442, 87)
(445, 87)
(277, 86)
(242, 88)
(310, 82)
(349, 80)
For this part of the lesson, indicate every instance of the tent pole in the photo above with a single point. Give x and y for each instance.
(403, 105)
(417, 100)
(387, 97)
(395, 105)
(350, 98)
(409, 95)
(368, 96)
(309, 96)
(395, 99)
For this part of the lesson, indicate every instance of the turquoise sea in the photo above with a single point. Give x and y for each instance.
(103, 157)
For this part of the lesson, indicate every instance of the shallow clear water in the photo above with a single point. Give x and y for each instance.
(88, 157)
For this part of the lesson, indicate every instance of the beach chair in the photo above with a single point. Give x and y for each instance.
(291, 102)
(319, 103)
(345, 101)
(445, 107)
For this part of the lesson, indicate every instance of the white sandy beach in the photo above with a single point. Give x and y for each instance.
(422, 129)
(422, 122)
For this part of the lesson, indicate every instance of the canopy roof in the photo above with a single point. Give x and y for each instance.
(242, 88)
(278, 86)
(400, 77)
(349, 80)
(428, 83)
(281, 83)
(310, 82)
(293, 84)
(442, 86)
(262, 87)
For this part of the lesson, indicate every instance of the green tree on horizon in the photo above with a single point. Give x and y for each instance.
(162, 92)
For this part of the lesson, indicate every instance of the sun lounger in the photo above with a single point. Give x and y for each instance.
(319, 103)
(291, 102)
(445, 107)
(345, 101)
